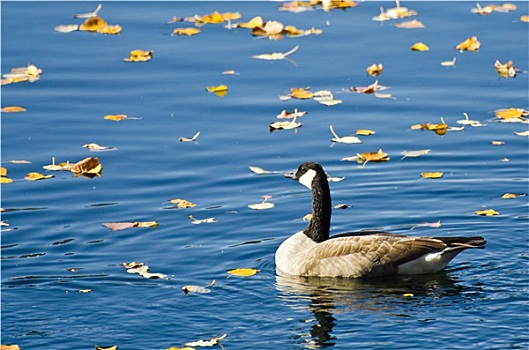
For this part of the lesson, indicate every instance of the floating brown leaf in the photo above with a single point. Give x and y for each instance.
(182, 203)
(374, 69)
(89, 166)
(98, 25)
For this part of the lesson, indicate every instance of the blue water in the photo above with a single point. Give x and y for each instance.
(480, 301)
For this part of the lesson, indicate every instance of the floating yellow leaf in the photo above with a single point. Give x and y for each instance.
(408, 295)
(488, 212)
(19, 161)
(219, 90)
(139, 56)
(245, 272)
(524, 18)
(13, 109)
(365, 132)
(9, 347)
(89, 166)
(498, 143)
(374, 69)
(507, 70)
(432, 175)
(66, 28)
(116, 117)
(376, 157)
(182, 203)
(5, 180)
(93, 24)
(471, 44)
(513, 195)
(213, 18)
(3, 171)
(186, 31)
(53, 166)
(511, 113)
(301, 93)
(230, 16)
(253, 23)
(522, 133)
(152, 224)
(34, 176)
(419, 47)
(410, 24)
(439, 129)
(184, 348)
(97, 24)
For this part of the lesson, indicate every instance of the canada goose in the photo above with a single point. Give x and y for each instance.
(312, 252)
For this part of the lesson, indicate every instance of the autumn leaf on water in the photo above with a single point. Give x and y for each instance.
(261, 171)
(198, 289)
(115, 117)
(98, 25)
(94, 147)
(244, 272)
(432, 175)
(3, 176)
(182, 203)
(253, 23)
(192, 139)
(195, 289)
(410, 24)
(29, 73)
(112, 347)
(498, 143)
(89, 14)
(371, 89)
(365, 132)
(439, 129)
(451, 63)
(394, 13)
(202, 221)
(55, 167)
(325, 97)
(212, 342)
(13, 109)
(263, 205)
(142, 270)
(139, 56)
(414, 153)
(513, 195)
(488, 212)
(470, 44)
(376, 157)
(507, 70)
(511, 114)
(34, 176)
(190, 31)
(290, 115)
(219, 90)
(345, 139)
(374, 69)
(419, 46)
(66, 28)
(278, 55)
(118, 226)
(487, 10)
(301, 93)
(88, 167)
(427, 224)
(522, 133)
(286, 125)
(467, 121)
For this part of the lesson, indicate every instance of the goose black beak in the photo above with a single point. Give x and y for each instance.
(291, 174)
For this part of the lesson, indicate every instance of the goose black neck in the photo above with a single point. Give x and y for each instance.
(319, 226)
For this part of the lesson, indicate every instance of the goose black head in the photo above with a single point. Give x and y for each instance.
(305, 173)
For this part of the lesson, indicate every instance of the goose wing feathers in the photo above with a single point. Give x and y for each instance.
(371, 254)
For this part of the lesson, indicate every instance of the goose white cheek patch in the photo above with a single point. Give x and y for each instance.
(306, 179)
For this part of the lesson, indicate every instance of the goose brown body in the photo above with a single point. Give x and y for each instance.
(312, 252)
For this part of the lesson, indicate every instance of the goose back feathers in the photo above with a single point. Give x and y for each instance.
(312, 252)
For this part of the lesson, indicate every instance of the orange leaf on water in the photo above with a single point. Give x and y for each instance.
(34, 176)
(471, 44)
(13, 109)
(116, 117)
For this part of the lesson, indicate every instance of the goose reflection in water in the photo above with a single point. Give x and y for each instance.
(394, 296)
